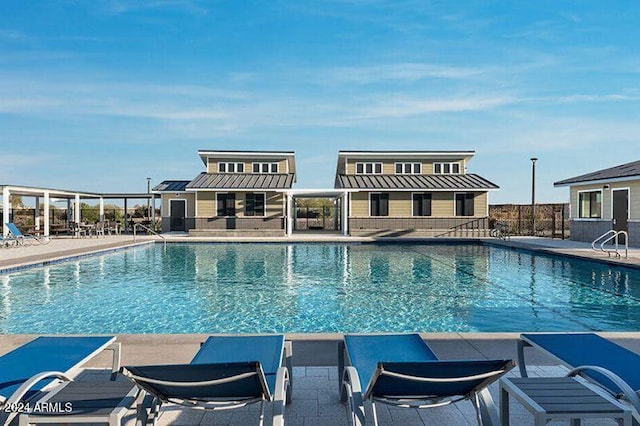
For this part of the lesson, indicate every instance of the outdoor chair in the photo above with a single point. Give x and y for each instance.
(226, 373)
(23, 238)
(401, 370)
(31, 370)
(594, 358)
(99, 229)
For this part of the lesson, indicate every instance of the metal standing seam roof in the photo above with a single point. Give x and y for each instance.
(621, 171)
(468, 181)
(242, 181)
(171, 186)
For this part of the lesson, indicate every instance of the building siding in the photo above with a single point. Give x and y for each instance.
(212, 164)
(401, 205)
(388, 166)
(634, 194)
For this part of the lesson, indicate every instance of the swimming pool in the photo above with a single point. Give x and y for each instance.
(256, 288)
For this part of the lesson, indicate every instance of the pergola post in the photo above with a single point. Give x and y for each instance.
(101, 209)
(76, 213)
(36, 214)
(68, 212)
(345, 215)
(126, 222)
(289, 213)
(46, 214)
(6, 206)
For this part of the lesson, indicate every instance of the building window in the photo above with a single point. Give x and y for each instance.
(464, 204)
(265, 167)
(226, 204)
(590, 205)
(446, 168)
(408, 168)
(422, 204)
(254, 204)
(379, 205)
(368, 168)
(230, 167)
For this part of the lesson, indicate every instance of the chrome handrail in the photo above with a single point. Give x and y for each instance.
(135, 225)
(614, 236)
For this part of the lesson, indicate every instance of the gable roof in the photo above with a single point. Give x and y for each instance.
(622, 171)
(171, 186)
(242, 181)
(464, 182)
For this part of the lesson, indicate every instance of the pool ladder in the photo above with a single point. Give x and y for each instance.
(151, 231)
(612, 235)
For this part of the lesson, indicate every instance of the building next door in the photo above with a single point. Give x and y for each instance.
(178, 213)
(620, 212)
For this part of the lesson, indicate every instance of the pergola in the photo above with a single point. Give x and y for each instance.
(336, 194)
(48, 194)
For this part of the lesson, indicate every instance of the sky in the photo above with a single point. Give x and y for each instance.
(99, 95)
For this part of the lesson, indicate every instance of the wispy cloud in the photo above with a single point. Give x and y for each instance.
(408, 72)
(125, 6)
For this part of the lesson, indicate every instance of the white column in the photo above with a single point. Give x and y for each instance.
(6, 206)
(289, 213)
(46, 214)
(345, 215)
(76, 212)
(101, 209)
(36, 213)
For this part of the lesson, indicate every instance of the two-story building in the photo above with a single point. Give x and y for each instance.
(240, 193)
(426, 193)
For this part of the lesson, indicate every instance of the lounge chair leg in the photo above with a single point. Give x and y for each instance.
(341, 389)
(288, 362)
(261, 421)
(487, 409)
(521, 364)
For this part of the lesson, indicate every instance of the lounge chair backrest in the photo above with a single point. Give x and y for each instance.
(45, 354)
(435, 378)
(201, 381)
(578, 349)
(13, 229)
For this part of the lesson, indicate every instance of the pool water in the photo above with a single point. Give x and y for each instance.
(261, 288)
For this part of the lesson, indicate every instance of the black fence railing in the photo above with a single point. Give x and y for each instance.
(551, 220)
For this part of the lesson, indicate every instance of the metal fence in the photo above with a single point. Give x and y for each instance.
(551, 220)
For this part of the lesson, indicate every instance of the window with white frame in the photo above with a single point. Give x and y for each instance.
(265, 167)
(446, 168)
(230, 167)
(368, 168)
(408, 168)
(590, 204)
(422, 204)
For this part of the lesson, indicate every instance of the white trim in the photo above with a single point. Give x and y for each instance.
(235, 167)
(184, 200)
(601, 203)
(628, 189)
(399, 154)
(404, 163)
(450, 163)
(350, 204)
(364, 167)
(247, 153)
(597, 181)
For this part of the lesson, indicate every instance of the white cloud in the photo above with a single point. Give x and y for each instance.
(408, 72)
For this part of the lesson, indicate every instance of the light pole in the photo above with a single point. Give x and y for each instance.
(533, 195)
(148, 192)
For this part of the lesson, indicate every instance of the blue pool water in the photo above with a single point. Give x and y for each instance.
(255, 288)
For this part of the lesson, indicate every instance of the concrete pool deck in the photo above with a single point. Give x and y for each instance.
(315, 389)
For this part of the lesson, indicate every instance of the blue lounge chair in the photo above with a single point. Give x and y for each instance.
(612, 367)
(402, 370)
(226, 373)
(37, 366)
(22, 238)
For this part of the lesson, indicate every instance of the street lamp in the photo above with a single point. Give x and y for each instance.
(533, 195)
(148, 192)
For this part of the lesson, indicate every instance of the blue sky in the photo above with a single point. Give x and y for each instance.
(98, 95)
